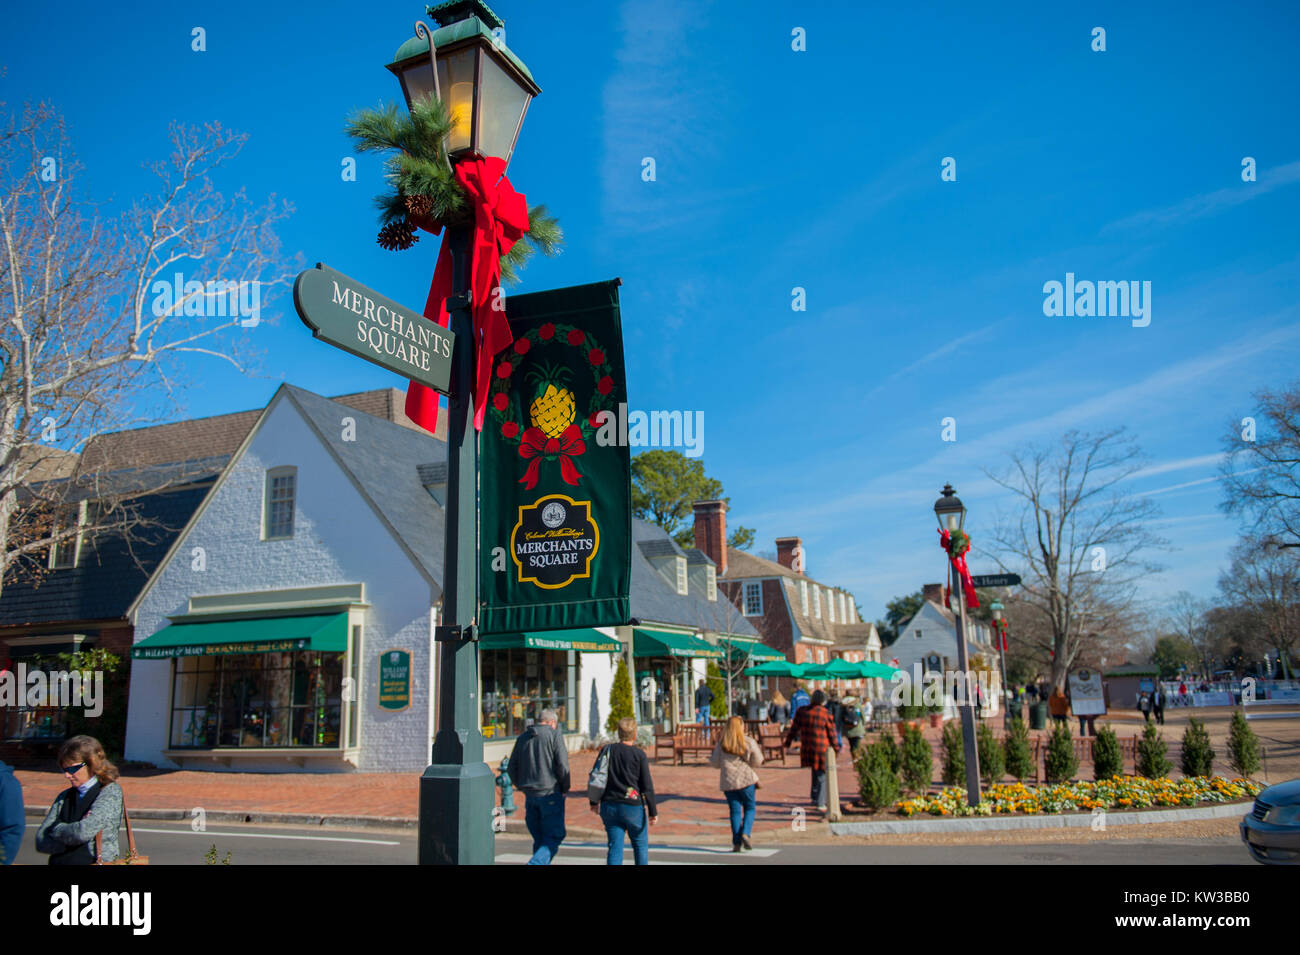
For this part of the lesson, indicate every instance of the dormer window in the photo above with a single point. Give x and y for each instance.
(66, 553)
(711, 582)
(803, 597)
(279, 499)
(830, 605)
(681, 575)
(817, 601)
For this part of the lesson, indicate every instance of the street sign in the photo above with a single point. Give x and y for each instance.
(359, 320)
(995, 580)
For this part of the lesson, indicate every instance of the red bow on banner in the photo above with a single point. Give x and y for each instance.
(959, 563)
(536, 445)
(500, 220)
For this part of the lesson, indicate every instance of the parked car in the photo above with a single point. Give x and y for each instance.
(1271, 830)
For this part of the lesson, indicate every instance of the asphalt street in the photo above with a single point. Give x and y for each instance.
(169, 843)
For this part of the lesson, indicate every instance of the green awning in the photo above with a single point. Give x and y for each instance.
(324, 632)
(661, 643)
(582, 640)
(754, 650)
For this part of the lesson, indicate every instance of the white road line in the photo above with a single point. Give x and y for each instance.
(599, 847)
(512, 858)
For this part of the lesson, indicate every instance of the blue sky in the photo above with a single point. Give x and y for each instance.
(817, 169)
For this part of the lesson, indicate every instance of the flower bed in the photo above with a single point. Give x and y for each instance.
(1119, 792)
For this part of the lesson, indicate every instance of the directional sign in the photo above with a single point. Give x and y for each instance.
(995, 580)
(345, 313)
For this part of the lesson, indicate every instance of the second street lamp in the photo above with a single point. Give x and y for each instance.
(952, 519)
(1000, 634)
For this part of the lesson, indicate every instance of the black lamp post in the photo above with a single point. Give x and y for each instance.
(952, 517)
(999, 619)
(487, 90)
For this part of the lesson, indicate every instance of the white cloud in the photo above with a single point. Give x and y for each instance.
(1208, 203)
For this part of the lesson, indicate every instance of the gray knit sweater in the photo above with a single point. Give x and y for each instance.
(105, 816)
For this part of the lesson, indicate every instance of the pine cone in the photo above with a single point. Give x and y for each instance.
(397, 236)
(418, 206)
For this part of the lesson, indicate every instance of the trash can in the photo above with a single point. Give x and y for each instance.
(1013, 711)
(1038, 716)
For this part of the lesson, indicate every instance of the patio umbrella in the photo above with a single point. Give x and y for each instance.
(836, 669)
(776, 668)
(870, 668)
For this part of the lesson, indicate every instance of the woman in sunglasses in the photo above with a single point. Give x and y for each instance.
(92, 804)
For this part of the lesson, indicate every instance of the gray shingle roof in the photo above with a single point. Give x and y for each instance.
(654, 601)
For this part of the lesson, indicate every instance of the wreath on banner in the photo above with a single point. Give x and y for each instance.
(549, 429)
(958, 544)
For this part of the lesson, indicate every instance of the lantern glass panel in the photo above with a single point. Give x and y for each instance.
(503, 101)
(417, 80)
(456, 82)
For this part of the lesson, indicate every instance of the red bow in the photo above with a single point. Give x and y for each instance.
(536, 445)
(500, 220)
(1001, 626)
(959, 562)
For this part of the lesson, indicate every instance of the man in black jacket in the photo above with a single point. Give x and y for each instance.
(539, 765)
(703, 703)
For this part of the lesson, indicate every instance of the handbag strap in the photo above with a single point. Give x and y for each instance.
(130, 839)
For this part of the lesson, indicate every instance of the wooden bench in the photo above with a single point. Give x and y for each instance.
(696, 739)
(770, 741)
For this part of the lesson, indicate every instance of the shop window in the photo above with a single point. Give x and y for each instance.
(753, 599)
(517, 684)
(281, 490)
(266, 700)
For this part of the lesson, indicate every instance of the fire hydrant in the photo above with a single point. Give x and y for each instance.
(507, 788)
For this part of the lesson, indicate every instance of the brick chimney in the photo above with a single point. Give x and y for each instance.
(787, 550)
(933, 593)
(711, 532)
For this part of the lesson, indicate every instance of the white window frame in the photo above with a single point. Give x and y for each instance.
(817, 601)
(803, 597)
(844, 612)
(287, 470)
(830, 605)
(710, 582)
(73, 542)
(756, 589)
(681, 576)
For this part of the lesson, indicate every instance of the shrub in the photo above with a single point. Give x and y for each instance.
(1243, 746)
(878, 783)
(716, 682)
(1107, 757)
(1198, 754)
(918, 761)
(907, 712)
(1060, 764)
(1151, 754)
(992, 762)
(953, 757)
(1019, 759)
(620, 697)
(890, 749)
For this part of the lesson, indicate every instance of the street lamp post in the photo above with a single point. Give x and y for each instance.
(999, 621)
(952, 517)
(486, 89)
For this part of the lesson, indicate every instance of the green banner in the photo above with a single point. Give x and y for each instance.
(555, 484)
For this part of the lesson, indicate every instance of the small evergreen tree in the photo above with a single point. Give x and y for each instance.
(1243, 746)
(890, 749)
(620, 697)
(878, 783)
(1198, 753)
(954, 757)
(1019, 758)
(715, 681)
(1060, 764)
(918, 761)
(1152, 761)
(992, 761)
(1107, 757)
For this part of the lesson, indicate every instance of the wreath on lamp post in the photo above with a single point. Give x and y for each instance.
(958, 544)
(424, 192)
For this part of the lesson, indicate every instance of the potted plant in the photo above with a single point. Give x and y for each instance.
(935, 710)
(909, 714)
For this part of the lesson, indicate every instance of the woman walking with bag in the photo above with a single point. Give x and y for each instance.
(90, 807)
(628, 796)
(738, 755)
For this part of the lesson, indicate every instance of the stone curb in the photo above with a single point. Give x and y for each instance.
(289, 818)
(1082, 820)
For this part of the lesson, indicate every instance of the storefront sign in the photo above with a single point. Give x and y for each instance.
(219, 649)
(556, 476)
(1086, 696)
(394, 680)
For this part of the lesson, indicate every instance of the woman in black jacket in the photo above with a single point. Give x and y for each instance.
(629, 796)
(91, 805)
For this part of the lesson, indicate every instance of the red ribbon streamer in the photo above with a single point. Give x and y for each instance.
(959, 563)
(536, 445)
(500, 220)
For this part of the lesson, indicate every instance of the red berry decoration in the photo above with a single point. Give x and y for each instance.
(605, 385)
(593, 419)
(546, 332)
(596, 356)
(504, 369)
(577, 336)
(500, 400)
(510, 429)
(522, 345)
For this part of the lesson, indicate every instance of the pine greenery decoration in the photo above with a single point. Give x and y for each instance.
(1152, 761)
(918, 761)
(954, 757)
(424, 191)
(1059, 763)
(1243, 746)
(714, 680)
(1015, 744)
(1198, 754)
(620, 697)
(1107, 757)
(878, 784)
(992, 762)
